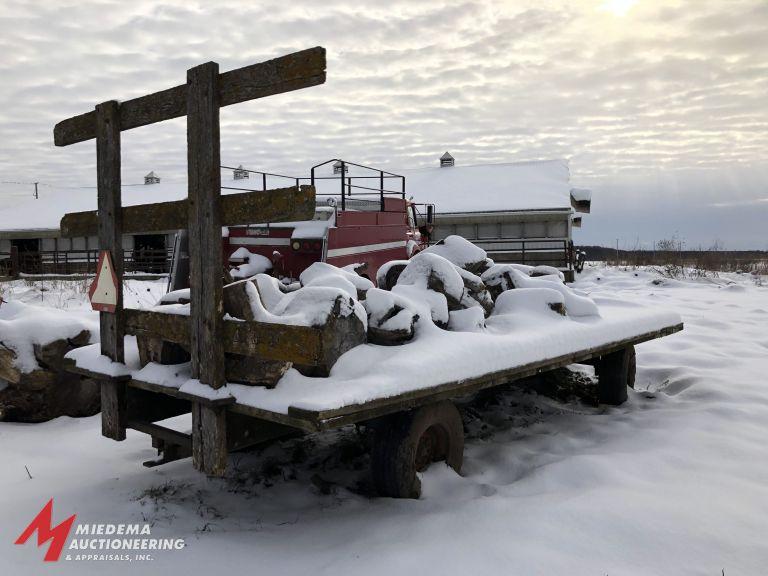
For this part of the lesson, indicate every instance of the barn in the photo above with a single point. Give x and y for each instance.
(29, 227)
(520, 212)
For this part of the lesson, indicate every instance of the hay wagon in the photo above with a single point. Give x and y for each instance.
(414, 418)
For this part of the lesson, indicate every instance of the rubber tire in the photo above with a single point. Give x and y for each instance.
(396, 441)
(616, 371)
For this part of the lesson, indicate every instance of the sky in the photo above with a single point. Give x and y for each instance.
(659, 106)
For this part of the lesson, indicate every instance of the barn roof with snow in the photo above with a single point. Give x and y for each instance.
(541, 185)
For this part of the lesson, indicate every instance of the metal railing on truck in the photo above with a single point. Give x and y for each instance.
(347, 183)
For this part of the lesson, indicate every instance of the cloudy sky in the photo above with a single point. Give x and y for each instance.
(660, 106)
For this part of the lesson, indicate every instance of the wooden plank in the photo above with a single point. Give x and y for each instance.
(284, 74)
(325, 419)
(205, 251)
(209, 439)
(244, 432)
(160, 389)
(299, 344)
(277, 205)
(114, 410)
(168, 435)
(110, 225)
(69, 365)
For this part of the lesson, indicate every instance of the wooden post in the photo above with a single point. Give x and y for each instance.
(113, 394)
(209, 431)
(114, 409)
(111, 221)
(205, 251)
(209, 439)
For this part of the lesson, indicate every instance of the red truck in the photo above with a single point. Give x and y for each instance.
(361, 217)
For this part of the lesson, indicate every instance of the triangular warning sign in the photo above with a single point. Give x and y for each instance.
(103, 290)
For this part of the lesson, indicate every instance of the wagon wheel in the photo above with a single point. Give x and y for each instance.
(408, 442)
(615, 372)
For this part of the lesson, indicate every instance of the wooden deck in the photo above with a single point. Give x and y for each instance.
(319, 420)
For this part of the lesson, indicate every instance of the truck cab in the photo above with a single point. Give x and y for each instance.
(361, 233)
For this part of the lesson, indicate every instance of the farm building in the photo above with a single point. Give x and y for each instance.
(30, 227)
(518, 212)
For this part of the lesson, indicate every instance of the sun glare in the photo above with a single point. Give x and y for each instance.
(618, 7)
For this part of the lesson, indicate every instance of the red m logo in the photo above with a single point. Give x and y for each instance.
(57, 535)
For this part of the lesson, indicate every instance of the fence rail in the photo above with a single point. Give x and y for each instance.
(533, 252)
(80, 262)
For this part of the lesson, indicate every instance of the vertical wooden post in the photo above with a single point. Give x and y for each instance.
(113, 394)
(110, 219)
(205, 250)
(209, 431)
(209, 439)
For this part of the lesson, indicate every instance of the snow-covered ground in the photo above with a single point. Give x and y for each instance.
(673, 482)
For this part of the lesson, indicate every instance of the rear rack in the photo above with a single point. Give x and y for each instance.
(346, 183)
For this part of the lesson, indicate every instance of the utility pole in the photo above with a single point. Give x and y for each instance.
(36, 196)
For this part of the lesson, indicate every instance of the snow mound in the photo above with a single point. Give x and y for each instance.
(575, 304)
(270, 292)
(323, 274)
(459, 251)
(22, 326)
(467, 320)
(176, 297)
(389, 311)
(308, 306)
(529, 300)
(387, 274)
(255, 264)
(427, 269)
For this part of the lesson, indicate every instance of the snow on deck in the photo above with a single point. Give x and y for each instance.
(370, 372)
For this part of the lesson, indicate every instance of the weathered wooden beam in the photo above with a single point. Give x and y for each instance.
(140, 385)
(277, 205)
(204, 206)
(209, 439)
(114, 410)
(110, 225)
(299, 344)
(244, 431)
(168, 435)
(291, 72)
